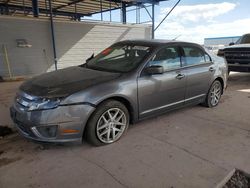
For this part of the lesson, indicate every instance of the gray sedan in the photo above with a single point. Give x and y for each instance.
(125, 83)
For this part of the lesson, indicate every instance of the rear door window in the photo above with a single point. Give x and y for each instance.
(193, 56)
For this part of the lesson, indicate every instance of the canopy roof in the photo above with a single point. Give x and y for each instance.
(66, 7)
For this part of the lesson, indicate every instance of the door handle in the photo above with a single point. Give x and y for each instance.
(211, 69)
(180, 76)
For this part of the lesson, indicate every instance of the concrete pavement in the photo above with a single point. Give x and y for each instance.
(191, 147)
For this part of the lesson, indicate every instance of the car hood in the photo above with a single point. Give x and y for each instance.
(238, 46)
(64, 82)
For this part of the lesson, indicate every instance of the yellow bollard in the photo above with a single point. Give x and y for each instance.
(7, 61)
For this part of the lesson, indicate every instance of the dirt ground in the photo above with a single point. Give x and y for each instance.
(7, 94)
(191, 147)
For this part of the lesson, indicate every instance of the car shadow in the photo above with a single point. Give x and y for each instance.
(236, 78)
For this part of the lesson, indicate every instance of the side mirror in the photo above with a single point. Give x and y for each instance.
(231, 43)
(155, 69)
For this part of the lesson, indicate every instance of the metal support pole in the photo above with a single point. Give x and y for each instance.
(110, 15)
(139, 14)
(153, 20)
(23, 7)
(7, 9)
(124, 16)
(101, 10)
(147, 11)
(76, 16)
(35, 8)
(167, 15)
(53, 34)
(46, 6)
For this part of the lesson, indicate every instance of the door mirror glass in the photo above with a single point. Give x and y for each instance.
(155, 69)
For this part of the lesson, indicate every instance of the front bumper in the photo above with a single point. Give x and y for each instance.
(74, 118)
(239, 67)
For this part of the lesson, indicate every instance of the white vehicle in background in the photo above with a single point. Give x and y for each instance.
(238, 54)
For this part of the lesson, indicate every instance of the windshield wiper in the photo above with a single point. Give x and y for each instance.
(87, 60)
(91, 57)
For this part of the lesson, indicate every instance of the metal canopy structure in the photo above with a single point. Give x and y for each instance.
(78, 9)
(70, 8)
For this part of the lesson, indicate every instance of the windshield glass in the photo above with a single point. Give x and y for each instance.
(119, 58)
(245, 39)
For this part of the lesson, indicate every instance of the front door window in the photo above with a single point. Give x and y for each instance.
(167, 57)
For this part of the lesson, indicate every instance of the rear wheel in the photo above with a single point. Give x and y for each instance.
(214, 94)
(108, 123)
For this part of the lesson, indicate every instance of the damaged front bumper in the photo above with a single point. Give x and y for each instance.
(62, 124)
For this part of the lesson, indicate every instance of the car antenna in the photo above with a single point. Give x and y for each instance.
(176, 37)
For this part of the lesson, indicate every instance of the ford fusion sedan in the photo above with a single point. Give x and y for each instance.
(127, 82)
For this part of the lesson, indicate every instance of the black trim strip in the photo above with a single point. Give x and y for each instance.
(79, 103)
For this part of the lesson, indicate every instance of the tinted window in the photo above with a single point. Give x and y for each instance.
(119, 58)
(167, 57)
(193, 56)
(207, 58)
(245, 39)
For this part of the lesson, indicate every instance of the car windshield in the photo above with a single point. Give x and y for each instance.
(245, 39)
(119, 58)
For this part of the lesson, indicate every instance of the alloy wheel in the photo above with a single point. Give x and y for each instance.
(215, 94)
(111, 125)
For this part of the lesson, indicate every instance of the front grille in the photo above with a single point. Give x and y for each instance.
(15, 117)
(237, 56)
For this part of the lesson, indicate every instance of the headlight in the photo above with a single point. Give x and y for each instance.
(220, 53)
(43, 104)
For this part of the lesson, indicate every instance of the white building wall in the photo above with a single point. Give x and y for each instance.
(220, 41)
(75, 42)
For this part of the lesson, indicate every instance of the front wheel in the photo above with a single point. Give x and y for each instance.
(108, 123)
(214, 94)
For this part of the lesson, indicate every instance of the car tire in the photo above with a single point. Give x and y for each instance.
(213, 95)
(108, 123)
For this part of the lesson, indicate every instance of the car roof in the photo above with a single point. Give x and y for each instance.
(155, 42)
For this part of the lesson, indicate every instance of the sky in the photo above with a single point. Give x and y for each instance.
(195, 20)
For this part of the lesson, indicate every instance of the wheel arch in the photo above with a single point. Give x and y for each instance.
(222, 83)
(126, 103)
(122, 100)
